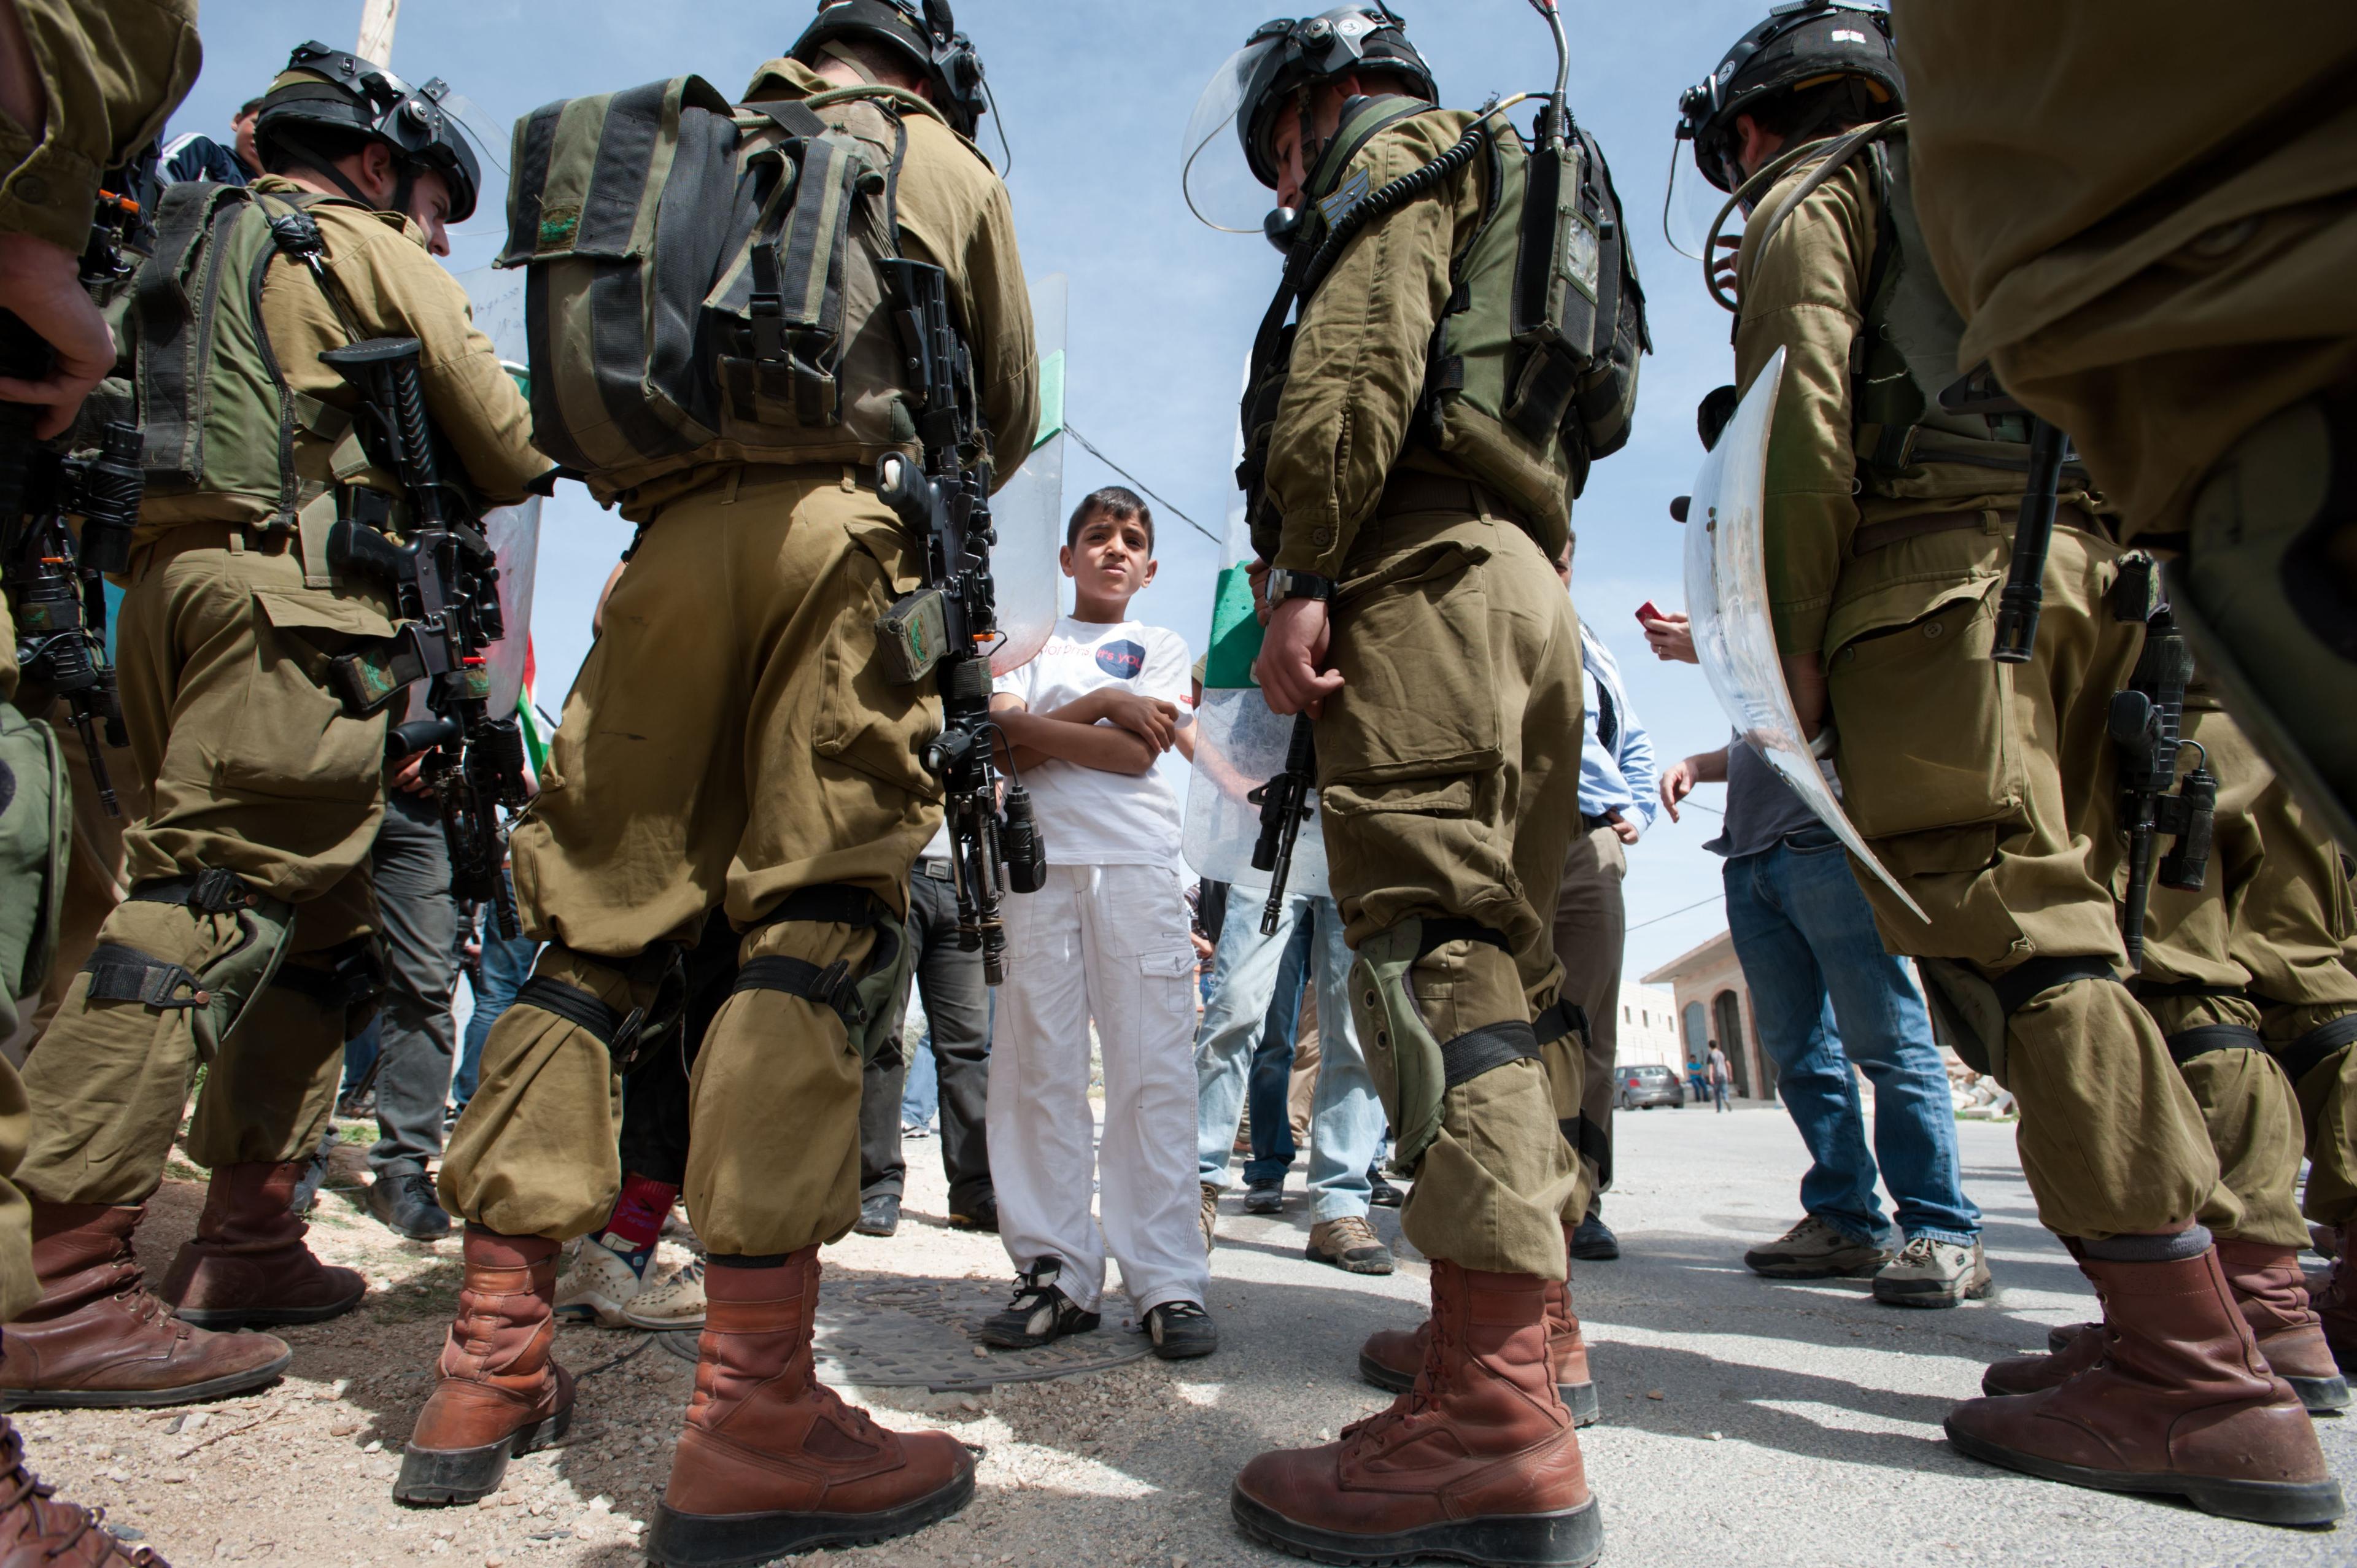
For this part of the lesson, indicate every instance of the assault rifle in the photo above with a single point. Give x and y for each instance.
(1284, 803)
(55, 583)
(951, 623)
(445, 578)
(2145, 723)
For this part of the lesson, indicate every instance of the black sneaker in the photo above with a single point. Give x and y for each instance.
(408, 1207)
(980, 1215)
(1593, 1241)
(1380, 1193)
(1040, 1312)
(1182, 1331)
(878, 1216)
(1264, 1196)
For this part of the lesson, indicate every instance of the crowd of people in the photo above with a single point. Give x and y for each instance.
(730, 879)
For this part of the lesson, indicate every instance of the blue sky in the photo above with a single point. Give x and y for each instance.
(1096, 95)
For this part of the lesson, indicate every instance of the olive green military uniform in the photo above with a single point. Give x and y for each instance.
(1449, 763)
(95, 878)
(733, 741)
(251, 765)
(111, 74)
(2151, 230)
(2275, 905)
(1987, 790)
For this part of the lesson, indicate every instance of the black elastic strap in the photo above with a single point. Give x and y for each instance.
(118, 973)
(747, 1260)
(829, 987)
(2203, 1039)
(213, 890)
(2017, 986)
(829, 904)
(572, 1005)
(1470, 1055)
(2305, 1054)
(1439, 933)
(353, 975)
(1561, 1021)
(2155, 990)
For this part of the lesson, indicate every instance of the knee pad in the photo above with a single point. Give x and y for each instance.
(217, 993)
(1413, 1071)
(1971, 1013)
(865, 1001)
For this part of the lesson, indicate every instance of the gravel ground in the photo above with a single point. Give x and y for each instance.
(1744, 1422)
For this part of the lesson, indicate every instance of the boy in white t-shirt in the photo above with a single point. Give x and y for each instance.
(1105, 939)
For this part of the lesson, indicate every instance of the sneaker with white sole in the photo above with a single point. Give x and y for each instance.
(1813, 1250)
(605, 1276)
(676, 1303)
(1929, 1272)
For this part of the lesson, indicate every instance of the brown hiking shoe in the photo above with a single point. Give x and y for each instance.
(2272, 1291)
(1478, 1462)
(99, 1338)
(1349, 1244)
(2179, 1401)
(772, 1461)
(247, 1266)
(36, 1530)
(500, 1394)
(2272, 1295)
(1392, 1357)
(1211, 1216)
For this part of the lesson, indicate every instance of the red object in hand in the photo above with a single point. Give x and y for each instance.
(1647, 612)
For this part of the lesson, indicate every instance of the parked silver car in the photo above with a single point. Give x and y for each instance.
(1648, 1085)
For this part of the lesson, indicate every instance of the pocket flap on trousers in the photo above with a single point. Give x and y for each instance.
(1168, 962)
(294, 609)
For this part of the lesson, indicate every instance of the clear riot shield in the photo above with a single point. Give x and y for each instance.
(1239, 744)
(497, 298)
(514, 533)
(1029, 510)
(1727, 597)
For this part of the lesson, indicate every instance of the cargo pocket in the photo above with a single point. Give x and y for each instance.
(865, 721)
(290, 736)
(1927, 737)
(1412, 645)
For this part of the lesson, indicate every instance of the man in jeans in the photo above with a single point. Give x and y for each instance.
(957, 1004)
(1826, 995)
(418, 1036)
(1346, 1119)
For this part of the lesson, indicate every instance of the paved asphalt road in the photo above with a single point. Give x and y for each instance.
(1744, 1422)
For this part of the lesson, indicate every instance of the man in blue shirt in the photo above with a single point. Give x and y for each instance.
(1617, 780)
(195, 156)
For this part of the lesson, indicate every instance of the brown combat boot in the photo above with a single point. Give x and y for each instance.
(99, 1338)
(248, 1267)
(2336, 1306)
(500, 1394)
(1478, 1462)
(38, 1532)
(2272, 1292)
(772, 1461)
(2179, 1401)
(1392, 1357)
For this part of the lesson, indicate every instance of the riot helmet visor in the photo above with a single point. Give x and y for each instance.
(1222, 189)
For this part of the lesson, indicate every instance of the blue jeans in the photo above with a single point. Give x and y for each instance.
(507, 965)
(920, 1090)
(1825, 996)
(1346, 1119)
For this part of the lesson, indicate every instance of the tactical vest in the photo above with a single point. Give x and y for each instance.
(206, 386)
(1532, 372)
(1904, 355)
(703, 283)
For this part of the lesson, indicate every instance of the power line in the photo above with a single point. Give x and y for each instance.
(1171, 507)
(1675, 913)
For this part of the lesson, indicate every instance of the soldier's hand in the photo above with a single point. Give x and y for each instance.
(1150, 718)
(1291, 657)
(1670, 637)
(1257, 575)
(42, 284)
(1722, 265)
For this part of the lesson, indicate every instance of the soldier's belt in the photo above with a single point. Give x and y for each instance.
(1408, 492)
(1873, 536)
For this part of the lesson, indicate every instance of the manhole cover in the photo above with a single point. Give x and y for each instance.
(905, 1333)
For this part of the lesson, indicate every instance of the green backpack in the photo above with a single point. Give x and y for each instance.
(36, 843)
(702, 282)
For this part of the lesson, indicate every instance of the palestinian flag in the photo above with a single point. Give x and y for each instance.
(528, 719)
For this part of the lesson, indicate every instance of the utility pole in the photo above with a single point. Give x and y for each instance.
(377, 21)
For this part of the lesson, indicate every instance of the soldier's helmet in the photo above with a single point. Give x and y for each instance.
(325, 95)
(1801, 46)
(924, 33)
(1286, 57)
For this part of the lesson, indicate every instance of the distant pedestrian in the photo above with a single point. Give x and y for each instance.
(1718, 1076)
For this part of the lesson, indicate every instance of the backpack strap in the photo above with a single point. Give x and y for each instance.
(797, 268)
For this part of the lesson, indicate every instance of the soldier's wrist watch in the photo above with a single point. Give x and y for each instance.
(1284, 586)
